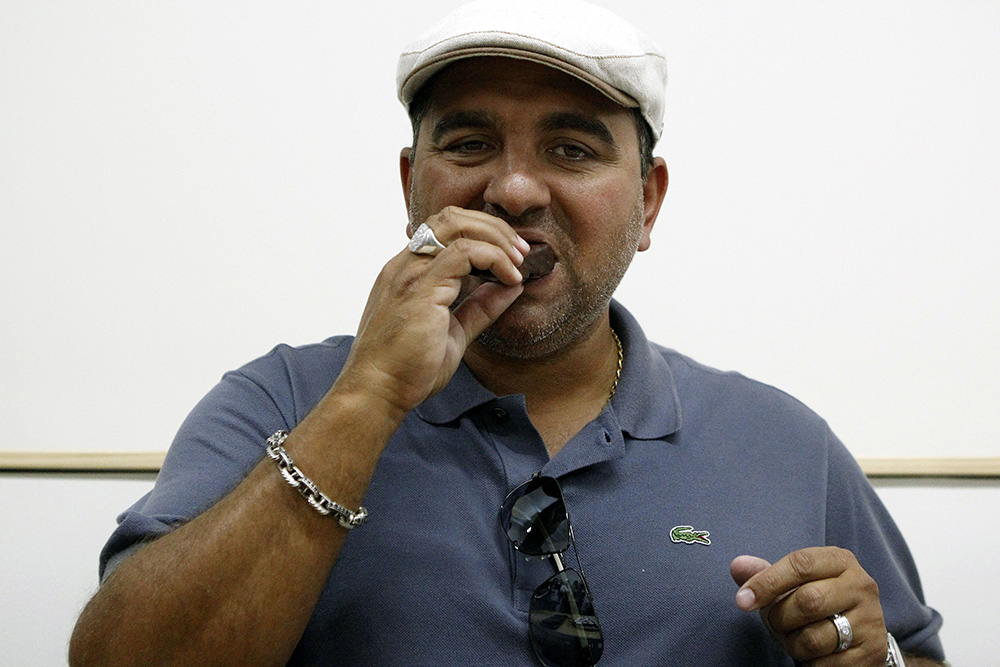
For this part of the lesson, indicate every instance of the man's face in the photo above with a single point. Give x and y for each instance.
(557, 161)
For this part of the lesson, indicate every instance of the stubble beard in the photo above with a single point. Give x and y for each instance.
(570, 314)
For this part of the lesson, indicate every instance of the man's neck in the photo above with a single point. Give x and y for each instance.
(564, 391)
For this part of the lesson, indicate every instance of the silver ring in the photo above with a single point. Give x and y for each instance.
(424, 242)
(845, 635)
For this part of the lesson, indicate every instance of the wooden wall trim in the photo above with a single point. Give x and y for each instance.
(986, 468)
(96, 462)
(150, 462)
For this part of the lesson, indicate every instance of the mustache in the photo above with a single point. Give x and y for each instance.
(538, 218)
(535, 218)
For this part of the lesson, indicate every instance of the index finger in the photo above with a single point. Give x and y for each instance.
(794, 570)
(452, 223)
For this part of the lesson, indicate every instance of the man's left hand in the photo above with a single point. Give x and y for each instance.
(798, 595)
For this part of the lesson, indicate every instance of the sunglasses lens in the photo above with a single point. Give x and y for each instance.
(564, 629)
(534, 518)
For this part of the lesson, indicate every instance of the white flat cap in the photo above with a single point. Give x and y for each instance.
(581, 39)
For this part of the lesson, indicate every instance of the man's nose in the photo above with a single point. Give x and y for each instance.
(517, 187)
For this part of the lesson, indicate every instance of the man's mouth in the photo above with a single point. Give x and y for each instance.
(539, 262)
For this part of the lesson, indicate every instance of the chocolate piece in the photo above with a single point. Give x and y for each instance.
(539, 261)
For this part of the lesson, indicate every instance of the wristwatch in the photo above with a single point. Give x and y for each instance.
(895, 657)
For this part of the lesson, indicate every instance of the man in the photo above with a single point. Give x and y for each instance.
(490, 362)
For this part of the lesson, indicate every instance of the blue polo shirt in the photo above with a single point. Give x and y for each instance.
(431, 579)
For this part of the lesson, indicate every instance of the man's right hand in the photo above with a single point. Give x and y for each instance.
(412, 334)
(264, 554)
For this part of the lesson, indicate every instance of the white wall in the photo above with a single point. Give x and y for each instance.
(52, 529)
(184, 184)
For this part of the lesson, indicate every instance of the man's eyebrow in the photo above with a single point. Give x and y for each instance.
(566, 120)
(462, 120)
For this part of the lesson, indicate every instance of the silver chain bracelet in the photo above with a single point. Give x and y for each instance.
(895, 658)
(307, 488)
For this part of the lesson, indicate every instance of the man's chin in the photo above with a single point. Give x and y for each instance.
(542, 321)
(531, 329)
(520, 334)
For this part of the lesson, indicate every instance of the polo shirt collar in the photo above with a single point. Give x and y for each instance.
(646, 403)
(461, 394)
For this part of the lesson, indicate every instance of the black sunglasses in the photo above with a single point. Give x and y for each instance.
(564, 629)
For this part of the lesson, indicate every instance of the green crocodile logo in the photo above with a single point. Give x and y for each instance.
(688, 535)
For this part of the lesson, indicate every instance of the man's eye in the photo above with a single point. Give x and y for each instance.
(468, 146)
(571, 152)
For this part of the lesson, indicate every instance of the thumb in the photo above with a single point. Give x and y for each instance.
(482, 308)
(744, 567)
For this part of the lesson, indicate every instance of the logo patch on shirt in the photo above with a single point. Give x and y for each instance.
(688, 535)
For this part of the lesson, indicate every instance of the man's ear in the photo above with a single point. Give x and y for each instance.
(653, 192)
(405, 174)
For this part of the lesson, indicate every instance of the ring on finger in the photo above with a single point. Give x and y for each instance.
(845, 634)
(424, 242)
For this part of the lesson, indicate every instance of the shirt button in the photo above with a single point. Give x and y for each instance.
(499, 415)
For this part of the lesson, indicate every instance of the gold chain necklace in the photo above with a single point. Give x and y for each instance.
(621, 358)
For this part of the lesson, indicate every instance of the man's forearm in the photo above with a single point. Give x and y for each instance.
(238, 584)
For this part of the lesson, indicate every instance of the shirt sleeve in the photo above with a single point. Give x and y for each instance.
(223, 439)
(218, 444)
(857, 520)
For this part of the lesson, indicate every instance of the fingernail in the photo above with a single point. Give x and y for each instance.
(522, 245)
(745, 599)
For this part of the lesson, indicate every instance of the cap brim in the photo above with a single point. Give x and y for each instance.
(421, 75)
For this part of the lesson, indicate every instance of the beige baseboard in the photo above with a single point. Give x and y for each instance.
(95, 462)
(150, 462)
(985, 468)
